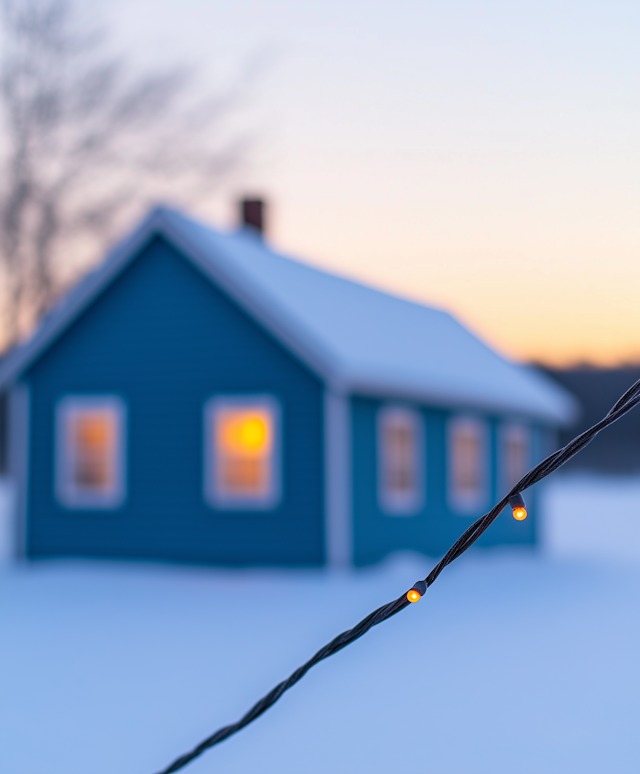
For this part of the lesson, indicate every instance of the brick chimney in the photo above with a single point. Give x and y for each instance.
(252, 214)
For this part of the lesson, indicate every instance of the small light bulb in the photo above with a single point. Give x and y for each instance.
(415, 593)
(518, 507)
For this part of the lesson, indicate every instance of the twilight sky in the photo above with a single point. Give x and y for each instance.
(481, 157)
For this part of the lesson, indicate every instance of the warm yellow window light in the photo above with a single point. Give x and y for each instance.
(516, 453)
(245, 432)
(254, 433)
(244, 445)
(94, 447)
(467, 459)
(90, 465)
(93, 431)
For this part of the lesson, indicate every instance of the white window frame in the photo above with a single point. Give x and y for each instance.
(506, 430)
(68, 493)
(462, 502)
(392, 502)
(213, 495)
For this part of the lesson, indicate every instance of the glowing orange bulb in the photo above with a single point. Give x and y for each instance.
(413, 595)
(520, 513)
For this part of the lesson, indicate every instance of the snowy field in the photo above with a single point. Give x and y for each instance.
(516, 662)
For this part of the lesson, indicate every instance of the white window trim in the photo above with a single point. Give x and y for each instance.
(67, 493)
(465, 503)
(394, 503)
(506, 428)
(223, 500)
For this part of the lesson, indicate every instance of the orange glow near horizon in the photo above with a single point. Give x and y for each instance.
(577, 315)
(588, 318)
(574, 266)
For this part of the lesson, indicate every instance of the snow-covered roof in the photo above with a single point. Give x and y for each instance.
(358, 339)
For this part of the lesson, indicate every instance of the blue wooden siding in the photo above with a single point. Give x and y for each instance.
(166, 340)
(435, 527)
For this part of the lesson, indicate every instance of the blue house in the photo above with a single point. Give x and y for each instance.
(201, 398)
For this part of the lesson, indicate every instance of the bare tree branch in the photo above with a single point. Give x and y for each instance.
(85, 138)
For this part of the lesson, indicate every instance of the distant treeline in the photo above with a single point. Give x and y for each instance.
(617, 449)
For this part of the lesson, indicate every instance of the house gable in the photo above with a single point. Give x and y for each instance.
(166, 339)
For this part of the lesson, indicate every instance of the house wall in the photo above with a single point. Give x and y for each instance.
(435, 527)
(165, 340)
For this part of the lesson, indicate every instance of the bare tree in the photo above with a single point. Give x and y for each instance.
(84, 139)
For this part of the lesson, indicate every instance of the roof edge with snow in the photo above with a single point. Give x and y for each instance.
(532, 394)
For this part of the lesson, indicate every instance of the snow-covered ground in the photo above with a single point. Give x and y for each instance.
(516, 662)
(592, 516)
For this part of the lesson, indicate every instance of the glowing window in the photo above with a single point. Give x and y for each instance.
(468, 452)
(400, 460)
(516, 454)
(90, 451)
(242, 466)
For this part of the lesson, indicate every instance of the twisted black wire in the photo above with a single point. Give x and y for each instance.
(630, 399)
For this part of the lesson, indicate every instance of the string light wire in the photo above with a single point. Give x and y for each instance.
(630, 399)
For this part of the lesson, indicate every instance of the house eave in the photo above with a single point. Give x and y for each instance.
(562, 414)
